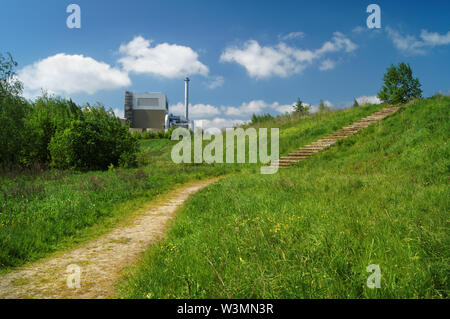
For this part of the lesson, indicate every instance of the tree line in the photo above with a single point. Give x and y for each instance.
(55, 132)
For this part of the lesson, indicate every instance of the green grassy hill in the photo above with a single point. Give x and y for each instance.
(46, 211)
(379, 197)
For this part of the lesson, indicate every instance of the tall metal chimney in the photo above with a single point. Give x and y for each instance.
(186, 98)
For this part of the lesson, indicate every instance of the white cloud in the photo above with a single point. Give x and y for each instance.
(196, 110)
(434, 38)
(245, 108)
(368, 100)
(282, 108)
(327, 65)
(256, 107)
(409, 44)
(166, 60)
(216, 82)
(67, 74)
(359, 29)
(281, 60)
(220, 123)
(292, 35)
(339, 42)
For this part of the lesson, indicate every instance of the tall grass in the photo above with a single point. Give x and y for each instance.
(380, 197)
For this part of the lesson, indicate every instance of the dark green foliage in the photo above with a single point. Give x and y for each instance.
(355, 103)
(300, 108)
(13, 110)
(93, 142)
(89, 138)
(49, 115)
(399, 85)
(261, 118)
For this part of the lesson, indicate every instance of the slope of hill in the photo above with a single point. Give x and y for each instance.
(379, 197)
(46, 211)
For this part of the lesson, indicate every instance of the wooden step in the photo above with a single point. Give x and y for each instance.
(325, 142)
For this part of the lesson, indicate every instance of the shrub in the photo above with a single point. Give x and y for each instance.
(94, 141)
(399, 85)
(48, 115)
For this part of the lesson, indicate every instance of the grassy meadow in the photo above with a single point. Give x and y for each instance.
(379, 197)
(46, 211)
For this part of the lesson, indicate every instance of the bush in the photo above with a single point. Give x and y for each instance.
(399, 85)
(94, 141)
(49, 115)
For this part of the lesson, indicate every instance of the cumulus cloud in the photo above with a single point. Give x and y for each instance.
(410, 44)
(327, 65)
(196, 110)
(282, 60)
(166, 60)
(67, 74)
(219, 122)
(256, 107)
(368, 100)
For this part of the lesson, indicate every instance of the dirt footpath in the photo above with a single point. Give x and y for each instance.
(100, 261)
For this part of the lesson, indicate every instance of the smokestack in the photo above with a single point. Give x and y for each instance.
(186, 98)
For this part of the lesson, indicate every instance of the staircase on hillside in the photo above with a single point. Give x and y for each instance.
(324, 143)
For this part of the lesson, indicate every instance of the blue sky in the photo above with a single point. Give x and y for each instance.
(243, 57)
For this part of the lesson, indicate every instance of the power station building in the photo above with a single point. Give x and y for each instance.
(150, 111)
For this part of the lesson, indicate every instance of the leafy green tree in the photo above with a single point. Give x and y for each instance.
(399, 85)
(94, 141)
(48, 115)
(301, 109)
(355, 103)
(9, 85)
(13, 109)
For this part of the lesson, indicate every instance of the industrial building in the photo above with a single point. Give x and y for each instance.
(150, 111)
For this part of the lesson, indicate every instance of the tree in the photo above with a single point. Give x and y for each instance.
(9, 85)
(93, 141)
(399, 85)
(13, 109)
(300, 108)
(355, 103)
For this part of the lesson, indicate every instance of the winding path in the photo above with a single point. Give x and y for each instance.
(100, 261)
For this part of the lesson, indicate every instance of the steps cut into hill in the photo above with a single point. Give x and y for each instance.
(325, 142)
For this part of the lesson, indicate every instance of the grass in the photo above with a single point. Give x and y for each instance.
(46, 212)
(380, 197)
(49, 211)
